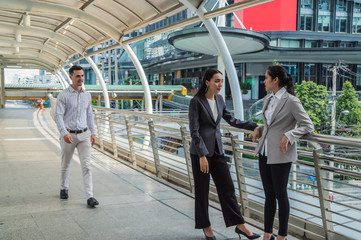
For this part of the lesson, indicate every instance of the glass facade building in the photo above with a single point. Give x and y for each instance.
(318, 28)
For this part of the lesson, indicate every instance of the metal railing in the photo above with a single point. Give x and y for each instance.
(324, 188)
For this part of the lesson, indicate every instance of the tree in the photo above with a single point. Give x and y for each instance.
(348, 101)
(314, 99)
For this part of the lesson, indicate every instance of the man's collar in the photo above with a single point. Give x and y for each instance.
(73, 90)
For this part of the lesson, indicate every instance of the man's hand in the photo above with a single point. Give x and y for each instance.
(203, 162)
(283, 144)
(92, 139)
(255, 135)
(68, 138)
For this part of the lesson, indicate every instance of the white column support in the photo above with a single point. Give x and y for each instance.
(66, 75)
(66, 84)
(221, 68)
(60, 79)
(110, 66)
(225, 55)
(101, 81)
(2, 86)
(116, 81)
(143, 79)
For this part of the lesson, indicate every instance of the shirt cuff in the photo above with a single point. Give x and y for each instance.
(64, 132)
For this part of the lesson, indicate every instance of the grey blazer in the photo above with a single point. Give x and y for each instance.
(287, 114)
(205, 131)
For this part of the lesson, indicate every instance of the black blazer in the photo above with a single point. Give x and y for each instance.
(205, 132)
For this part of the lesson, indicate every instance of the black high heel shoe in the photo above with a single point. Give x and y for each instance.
(239, 231)
(209, 238)
(273, 237)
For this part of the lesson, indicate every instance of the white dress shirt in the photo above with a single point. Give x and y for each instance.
(213, 105)
(73, 111)
(272, 104)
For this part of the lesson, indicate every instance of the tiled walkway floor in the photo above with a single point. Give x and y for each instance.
(132, 205)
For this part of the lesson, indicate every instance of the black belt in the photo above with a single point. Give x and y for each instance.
(77, 131)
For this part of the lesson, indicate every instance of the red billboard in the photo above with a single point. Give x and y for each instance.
(278, 15)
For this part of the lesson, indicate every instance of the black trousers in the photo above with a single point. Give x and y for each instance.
(275, 180)
(218, 168)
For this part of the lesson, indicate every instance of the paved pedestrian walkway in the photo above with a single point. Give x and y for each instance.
(132, 205)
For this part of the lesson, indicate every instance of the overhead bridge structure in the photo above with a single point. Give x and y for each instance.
(142, 170)
(115, 92)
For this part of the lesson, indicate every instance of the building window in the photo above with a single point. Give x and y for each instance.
(273, 43)
(341, 23)
(290, 43)
(357, 7)
(306, 23)
(356, 25)
(310, 44)
(341, 5)
(358, 78)
(324, 23)
(306, 4)
(310, 72)
(327, 76)
(324, 4)
(346, 45)
(329, 44)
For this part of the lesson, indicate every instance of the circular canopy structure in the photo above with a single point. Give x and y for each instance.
(239, 41)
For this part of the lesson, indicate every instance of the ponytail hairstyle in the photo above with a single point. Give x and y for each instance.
(285, 79)
(207, 77)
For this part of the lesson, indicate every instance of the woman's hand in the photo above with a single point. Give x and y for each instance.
(255, 135)
(283, 144)
(203, 162)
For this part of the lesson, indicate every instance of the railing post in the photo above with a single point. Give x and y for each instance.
(323, 195)
(131, 142)
(100, 133)
(241, 181)
(155, 149)
(112, 135)
(187, 157)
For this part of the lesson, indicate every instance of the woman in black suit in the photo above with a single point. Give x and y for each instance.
(206, 110)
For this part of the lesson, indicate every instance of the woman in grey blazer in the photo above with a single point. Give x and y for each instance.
(206, 110)
(277, 145)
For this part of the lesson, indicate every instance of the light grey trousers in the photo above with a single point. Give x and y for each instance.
(82, 143)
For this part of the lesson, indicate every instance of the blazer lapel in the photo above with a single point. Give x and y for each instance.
(265, 104)
(206, 106)
(280, 105)
(218, 102)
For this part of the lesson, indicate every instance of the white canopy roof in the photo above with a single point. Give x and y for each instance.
(47, 33)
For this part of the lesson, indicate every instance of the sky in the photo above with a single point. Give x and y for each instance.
(9, 73)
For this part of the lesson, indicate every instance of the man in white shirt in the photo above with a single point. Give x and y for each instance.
(74, 118)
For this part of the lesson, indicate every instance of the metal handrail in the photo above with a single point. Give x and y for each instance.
(311, 196)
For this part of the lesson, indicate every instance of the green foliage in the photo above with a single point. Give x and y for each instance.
(314, 99)
(245, 87)
(348, 101)
(131, 78)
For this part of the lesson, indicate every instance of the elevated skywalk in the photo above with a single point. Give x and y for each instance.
(132, 204)
(116, 92)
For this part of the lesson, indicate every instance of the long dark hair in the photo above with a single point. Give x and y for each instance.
(285, 79)
(207, 76)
